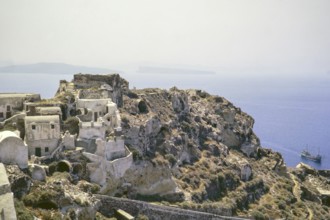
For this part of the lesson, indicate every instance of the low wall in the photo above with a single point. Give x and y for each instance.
(7, 208)
(119, 166)
(154, 212)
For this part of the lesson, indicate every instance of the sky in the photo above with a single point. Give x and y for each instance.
(238, 36)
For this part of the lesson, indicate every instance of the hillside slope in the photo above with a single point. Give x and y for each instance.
(191, 150)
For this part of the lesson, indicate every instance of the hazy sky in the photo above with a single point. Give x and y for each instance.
(285, 36)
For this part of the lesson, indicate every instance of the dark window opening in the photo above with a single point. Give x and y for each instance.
(33, 127)
(38, 151)
(52, 126)
(46, 149)
(8, 108)
(1, 114)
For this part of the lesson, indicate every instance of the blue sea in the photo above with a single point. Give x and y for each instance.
(291, 113)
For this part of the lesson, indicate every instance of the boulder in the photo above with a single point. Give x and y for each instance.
(37, 172)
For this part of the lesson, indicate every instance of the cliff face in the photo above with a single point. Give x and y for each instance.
(172, 121)
(200, 151)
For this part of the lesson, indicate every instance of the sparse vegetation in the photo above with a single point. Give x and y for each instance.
(192, 139)
(72, 125)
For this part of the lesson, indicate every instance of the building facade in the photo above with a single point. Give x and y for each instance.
(42, 134)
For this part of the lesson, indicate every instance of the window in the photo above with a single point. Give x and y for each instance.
(52, 126)
(46, 149)
(1, 114)
(33, 127)
(38, 151)
(8, 108)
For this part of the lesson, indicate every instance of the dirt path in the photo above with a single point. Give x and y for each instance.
(297, 193)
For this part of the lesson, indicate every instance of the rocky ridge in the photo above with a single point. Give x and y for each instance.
(191, 149)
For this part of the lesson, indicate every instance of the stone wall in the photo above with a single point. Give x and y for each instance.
(10, 104)
(154, 212)
(100, 167)
(91, 130)
(119, 85)
(42, 132)
(119, 166)
(46, 146)
(7, 208)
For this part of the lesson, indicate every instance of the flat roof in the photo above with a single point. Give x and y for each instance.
(45, 118)
(13, 95)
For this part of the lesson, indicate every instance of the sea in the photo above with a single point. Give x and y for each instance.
(291, 113)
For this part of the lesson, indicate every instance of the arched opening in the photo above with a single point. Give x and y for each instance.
(64, 166)
(143, 108)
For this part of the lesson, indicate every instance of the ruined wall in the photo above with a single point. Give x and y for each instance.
(96, 108)
(91, 130)
(11, 103)
(68, 141)
(118, 84)
(154, 212)
(100, 167)
(119, 166)
(115, 149)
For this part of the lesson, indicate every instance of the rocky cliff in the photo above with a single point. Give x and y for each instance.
(193, 150)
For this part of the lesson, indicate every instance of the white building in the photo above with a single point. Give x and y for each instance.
(99, 117)
(10, 103)
(42, 134)
(96, 108)
(100, 120)
(13, 150)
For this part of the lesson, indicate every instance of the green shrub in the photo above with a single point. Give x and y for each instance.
(257, 215)
(71, 125)
(45, 199)
(171, 158)
(22, 212)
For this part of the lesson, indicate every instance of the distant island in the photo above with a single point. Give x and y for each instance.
(52, 68)
(167, 70)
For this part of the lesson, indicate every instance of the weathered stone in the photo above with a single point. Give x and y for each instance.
(306, 169)
(13, 150)
(246, 171)
(19, 181)
(37, 172)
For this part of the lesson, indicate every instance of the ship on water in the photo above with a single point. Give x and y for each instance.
(307, 155)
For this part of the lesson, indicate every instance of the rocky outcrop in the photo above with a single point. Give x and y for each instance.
(60, 194)
(20, 181)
